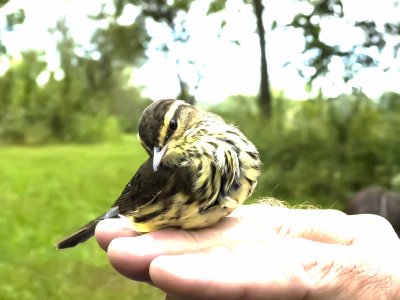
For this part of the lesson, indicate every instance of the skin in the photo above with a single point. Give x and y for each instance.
(263, 252)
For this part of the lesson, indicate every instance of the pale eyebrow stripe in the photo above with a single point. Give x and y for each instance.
(167, 118)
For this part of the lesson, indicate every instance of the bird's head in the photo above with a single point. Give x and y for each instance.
(162, 127)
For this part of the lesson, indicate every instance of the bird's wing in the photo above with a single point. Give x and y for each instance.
(144, 187)
(227, 162)
(231, 169)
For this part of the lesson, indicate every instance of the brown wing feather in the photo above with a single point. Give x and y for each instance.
(140, 191)
(144, 187)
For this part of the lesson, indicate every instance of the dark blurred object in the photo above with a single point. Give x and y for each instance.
(378, 201)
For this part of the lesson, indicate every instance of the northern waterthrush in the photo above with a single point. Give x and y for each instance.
(199, 170)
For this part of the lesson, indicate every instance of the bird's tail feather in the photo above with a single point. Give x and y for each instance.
(87, 231)
(79, 236)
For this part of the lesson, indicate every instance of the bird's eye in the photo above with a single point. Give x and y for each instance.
(173, 124)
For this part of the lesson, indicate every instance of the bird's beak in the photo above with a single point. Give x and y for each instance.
(158, 156)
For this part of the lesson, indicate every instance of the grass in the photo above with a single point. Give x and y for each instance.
(47, 192)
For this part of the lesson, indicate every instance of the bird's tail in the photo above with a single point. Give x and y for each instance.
(86, 231)
(79, 236)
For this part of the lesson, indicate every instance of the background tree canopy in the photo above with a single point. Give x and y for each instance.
(378, 36)
(89, 96)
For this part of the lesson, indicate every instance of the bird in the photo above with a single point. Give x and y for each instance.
(199, 170)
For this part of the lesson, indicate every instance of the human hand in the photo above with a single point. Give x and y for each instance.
(264, 252)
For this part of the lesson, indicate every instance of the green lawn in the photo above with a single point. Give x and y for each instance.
(47, 192)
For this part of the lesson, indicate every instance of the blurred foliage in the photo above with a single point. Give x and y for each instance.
(319, 53)
(345, 143)
(118, 47)
(158, 10)
(173, 14)
(12, 19)
(322, 150)
(85, 100)
(122, 45)
(15, 18)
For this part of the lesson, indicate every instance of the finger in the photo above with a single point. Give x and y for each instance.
(223, 272)
(287, 269)
(373, 229)
(322, 225)
(131, 256)
(109, 229)
(253, 223)
(248, 223)
(329, 226)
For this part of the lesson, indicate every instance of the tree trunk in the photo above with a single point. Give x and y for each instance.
(265, 92)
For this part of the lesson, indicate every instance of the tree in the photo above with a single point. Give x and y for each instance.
(167, 12)
(265, 93)
(94, 90)
(163, 11)
(84, 100)
(321, 53)
(20, 104)
(12, 19)
(264, 96)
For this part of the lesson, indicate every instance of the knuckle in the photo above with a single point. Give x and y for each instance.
(375, 222)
